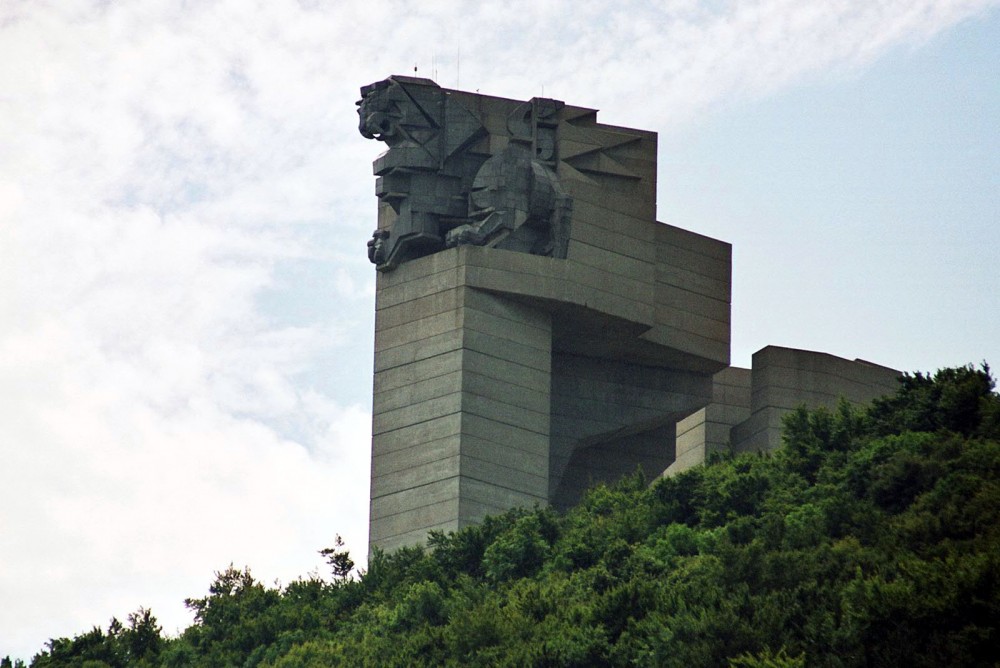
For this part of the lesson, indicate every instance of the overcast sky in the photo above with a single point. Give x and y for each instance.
(186, 306)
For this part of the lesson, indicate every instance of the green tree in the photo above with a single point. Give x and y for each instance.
(872, 538)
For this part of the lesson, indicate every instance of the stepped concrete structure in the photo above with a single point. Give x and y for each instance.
(748, 404)
(537, 330)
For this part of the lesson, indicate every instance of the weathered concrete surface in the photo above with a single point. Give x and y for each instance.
(536, 329)
(784, 378)
(506, 378)
(707, 430)
(748, 404)
(461, 405)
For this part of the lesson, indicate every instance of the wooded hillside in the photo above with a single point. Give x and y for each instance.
(871, 539)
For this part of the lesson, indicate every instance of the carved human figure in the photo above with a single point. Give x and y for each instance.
(516, 203)
(445, 193)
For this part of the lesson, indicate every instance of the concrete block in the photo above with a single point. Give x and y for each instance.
(418, 371)
(421, 328)
(694, 242)
(731, 386)
(594, 372)
(534, 483)
(623, 265)
(418, 268)
(421, 349)
(788, 398)
(506, 370)
(415, 288)
(390, 544)
(433, 493)
(498, 411)
(696, 325)
(711, 350)
(521, 333)
(601, 237)
(513, 282)
(761, 441)
(474, 512)
(506, 360)
(688, 278)
(419, 412)
(512, 311)
(680, 300)
(423, 517)
(415, 474)
(641, 230)
(530, 457)
(727, 413)
(692, 438)
(416, 455)
(705, 265)
(692, 421)
(503, 497)
(423, 432)
(417, 391)
(608, 414)
(515, 438)
(579, 428)
(717, 433)
(421, 307)
(504, 378)
(589, 190)
(507, 392)
(687, 460)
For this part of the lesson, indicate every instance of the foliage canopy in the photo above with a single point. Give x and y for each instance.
(871, 539)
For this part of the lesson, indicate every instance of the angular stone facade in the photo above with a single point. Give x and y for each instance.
(505, 376)
(536, 329)
(748, 404)
(784, 378)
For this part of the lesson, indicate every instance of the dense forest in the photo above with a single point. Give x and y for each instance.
(872, 538)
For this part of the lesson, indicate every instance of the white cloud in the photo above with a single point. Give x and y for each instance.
(160, 162)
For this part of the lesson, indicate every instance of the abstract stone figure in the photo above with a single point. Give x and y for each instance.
(517, 204)
(446, 186)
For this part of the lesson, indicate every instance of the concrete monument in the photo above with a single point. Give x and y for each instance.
(536, 329)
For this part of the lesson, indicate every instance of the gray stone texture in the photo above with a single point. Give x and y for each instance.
(460, 404)
(505, 376)
(785, 378)
(748, 405)
(456, 173)
(707, 430)
(536, 329)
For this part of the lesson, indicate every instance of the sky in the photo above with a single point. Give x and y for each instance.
(186, 305)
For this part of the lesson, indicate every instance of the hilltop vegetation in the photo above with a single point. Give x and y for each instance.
(871, 539)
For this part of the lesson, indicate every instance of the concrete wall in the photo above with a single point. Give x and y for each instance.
(784, 378)
(748, 404)
(505, 379)
(708, 430)
(461, 405)
(610, 418)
